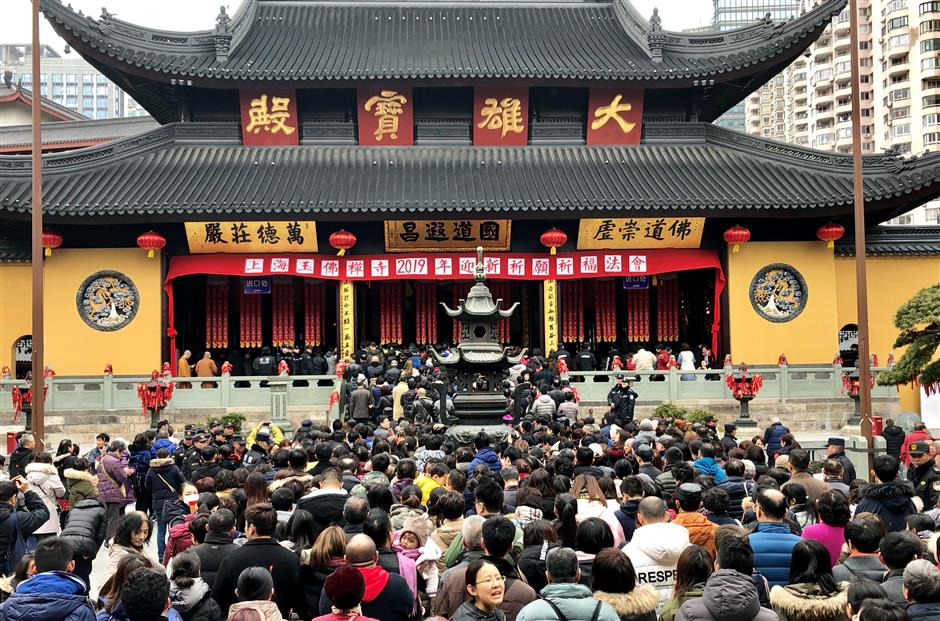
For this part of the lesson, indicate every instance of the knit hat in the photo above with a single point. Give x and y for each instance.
(345, 587)
(921, 570)
(418, 526)
(782, 461)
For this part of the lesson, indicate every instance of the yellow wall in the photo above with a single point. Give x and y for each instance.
(810, 338)
(891, 282)
(15, 308)
(72, 346)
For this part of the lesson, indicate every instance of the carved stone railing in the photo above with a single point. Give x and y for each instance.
(109, 393)
(786, 382)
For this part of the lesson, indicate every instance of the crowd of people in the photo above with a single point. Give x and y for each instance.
(383, 516)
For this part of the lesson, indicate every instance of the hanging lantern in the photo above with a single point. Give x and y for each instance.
(51, 239)
(830, 233)
(342, 241)
(553, 238)
(151, 241)
(736, 236)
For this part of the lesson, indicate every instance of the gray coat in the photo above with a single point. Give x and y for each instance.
(857, 567)
(574, 600)
(729, 596)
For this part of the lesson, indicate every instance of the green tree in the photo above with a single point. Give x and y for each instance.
(918, 321)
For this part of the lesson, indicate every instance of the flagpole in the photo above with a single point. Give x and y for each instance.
(38, 404)
(861, 277)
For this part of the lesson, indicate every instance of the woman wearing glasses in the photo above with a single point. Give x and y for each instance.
(486, 587)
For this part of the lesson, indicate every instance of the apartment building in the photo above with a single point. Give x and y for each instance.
(730, 14)
(66, 80)
(810, 103)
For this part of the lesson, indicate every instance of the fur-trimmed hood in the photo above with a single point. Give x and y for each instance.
(304, 479)
(165, 461)
(46, 469)
(79, 475)
(640, 601)
(807, 602)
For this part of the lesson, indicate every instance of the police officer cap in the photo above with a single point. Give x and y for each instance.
(835, 442)
(263, 434)
(238, 440)
(730, 427)
(228, 426)
(918, 448)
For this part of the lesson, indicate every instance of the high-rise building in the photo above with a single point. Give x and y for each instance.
(68, 81)
(730, 14)
(899, 60)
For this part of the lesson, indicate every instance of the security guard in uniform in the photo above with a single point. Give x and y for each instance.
(193, 458)
(924, 474)
(622, 401)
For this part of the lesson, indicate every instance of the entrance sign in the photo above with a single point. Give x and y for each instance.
(257, 286)
(500, 116)
(269, 117)
(386, 116)
(615, 116)
(254, 237)
(626, 233)
(636, 282)
(443, 235)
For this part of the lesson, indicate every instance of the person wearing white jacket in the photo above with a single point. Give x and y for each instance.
(43, 478)
(655, 548)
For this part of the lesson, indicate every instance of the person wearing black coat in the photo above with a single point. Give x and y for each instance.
(85, 530)
(261, 550)
(21, 457)
(216, 546)
(31, 513)
(894, 438)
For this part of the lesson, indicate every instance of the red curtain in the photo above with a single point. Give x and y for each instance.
(667, 310)
(217, 314)
(314, 303)
(425, 312)
(638, 315)
(390, 314)
(605, 310)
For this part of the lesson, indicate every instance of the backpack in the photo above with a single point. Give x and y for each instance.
(179, 539)
(17, 548)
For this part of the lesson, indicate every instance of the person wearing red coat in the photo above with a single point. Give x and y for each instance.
(920, 434)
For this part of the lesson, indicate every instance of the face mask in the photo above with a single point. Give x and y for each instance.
(191, 499)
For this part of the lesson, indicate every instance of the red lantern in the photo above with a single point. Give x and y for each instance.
(151, 241)
(51, 239)
(736, 236)
(342, 241)
(830, 233)
(553, 238)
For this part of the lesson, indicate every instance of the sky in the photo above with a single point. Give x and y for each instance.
(187, 15)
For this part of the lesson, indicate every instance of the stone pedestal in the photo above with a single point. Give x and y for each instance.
(278, 388)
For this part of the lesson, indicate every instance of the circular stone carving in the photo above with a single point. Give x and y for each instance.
(107, 301)
(778, 293)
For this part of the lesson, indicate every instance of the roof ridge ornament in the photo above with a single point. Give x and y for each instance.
(479, 274)
(223, 35)
(655, 37)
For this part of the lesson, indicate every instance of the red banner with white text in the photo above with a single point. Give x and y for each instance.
(453, 266)
(450, 266)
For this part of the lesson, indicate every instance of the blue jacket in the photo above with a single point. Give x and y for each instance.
(772, 543)
(49, 595)
(772, 437)
(159, 444)
(710, 467)
(488, 456)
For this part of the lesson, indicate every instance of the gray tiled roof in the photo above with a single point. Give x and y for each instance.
(307, 40)
(882, 241)
(63, 133)
(193, 170)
